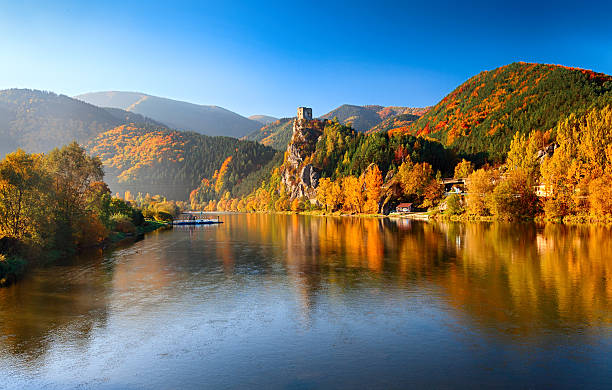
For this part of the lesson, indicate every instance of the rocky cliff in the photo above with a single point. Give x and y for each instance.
(299, 176)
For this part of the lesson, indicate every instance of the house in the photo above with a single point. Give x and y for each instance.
(404, 208)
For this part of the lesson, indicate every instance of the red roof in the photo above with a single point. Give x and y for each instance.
(404, 205)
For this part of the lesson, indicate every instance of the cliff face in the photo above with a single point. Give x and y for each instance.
(299, 177)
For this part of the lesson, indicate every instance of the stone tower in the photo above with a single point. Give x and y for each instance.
(304, 113)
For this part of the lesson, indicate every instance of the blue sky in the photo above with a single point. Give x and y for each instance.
(268, 58)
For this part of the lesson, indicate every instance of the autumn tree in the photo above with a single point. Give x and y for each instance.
(600, 195)
(353, 194)
(373, 189)
(296, 205)
(584, 154)
(514, 196)
(24, 188)
(72, 171)
(480, 185)
(463, 169)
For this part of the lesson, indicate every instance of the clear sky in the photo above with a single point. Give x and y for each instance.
(262, 57)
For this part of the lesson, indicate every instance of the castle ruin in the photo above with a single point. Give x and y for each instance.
(304, 113)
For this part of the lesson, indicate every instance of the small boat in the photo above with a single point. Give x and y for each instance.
(189, 219)
(196, 222)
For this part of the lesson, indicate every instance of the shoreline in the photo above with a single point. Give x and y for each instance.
(114, 240)
(574, 220)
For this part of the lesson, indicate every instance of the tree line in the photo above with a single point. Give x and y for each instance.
(53, 204)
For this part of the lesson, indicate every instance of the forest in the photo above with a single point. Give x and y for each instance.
(482, 115)
(562, 174)
(54, 204)
(172, 163)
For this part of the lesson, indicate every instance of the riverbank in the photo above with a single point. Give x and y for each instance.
(14, 267)
(438, 216)
(147, 227)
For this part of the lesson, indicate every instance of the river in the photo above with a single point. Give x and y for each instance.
(287, 301)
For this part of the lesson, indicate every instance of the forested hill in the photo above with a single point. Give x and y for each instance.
(39, 121)
(395, 123)
(363, 118)
(483, 114)
(172, 163)
(276, 134)
(208, 120)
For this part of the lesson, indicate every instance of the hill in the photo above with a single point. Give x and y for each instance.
(483, 114)
(208, 120)
(276, 134)
(363, 118)
(38, 121)
(395, 123)
(263, 119)
(172, 163)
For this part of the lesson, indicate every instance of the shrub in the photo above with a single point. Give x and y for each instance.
(162, 216)
(11, 268)
(122, 223)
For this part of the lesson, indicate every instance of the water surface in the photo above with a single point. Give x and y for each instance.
(276, 301)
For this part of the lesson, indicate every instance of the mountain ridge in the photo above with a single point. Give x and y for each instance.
(181, 115)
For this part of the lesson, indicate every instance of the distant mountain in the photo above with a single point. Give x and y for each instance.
(132, 117)
(263, 119)
(363, 118)
(483, 114)
(38, 121)
(276, 134)
(208, 120)
(173, 163)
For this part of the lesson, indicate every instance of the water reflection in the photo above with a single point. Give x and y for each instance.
(522, 277)
(283, 277)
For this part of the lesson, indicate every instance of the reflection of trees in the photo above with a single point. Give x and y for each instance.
(519, 277)
(65, 294)
(523, 277)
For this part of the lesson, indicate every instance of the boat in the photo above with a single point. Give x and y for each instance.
(195, 221)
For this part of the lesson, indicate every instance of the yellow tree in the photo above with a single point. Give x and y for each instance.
(335, 195)
(463, 169)
(414, 177)
(373, 189)
(523, 154)
(353, 194)
(514, 196)
(323, 192)
(600, 195)
(221, 175)
(23, 189)
(480, 185)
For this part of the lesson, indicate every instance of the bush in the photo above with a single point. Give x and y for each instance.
(122, 223)
(11, 268)
(137, 217)
(162, 216)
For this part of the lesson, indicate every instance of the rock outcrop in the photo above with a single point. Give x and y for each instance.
(301, 178)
